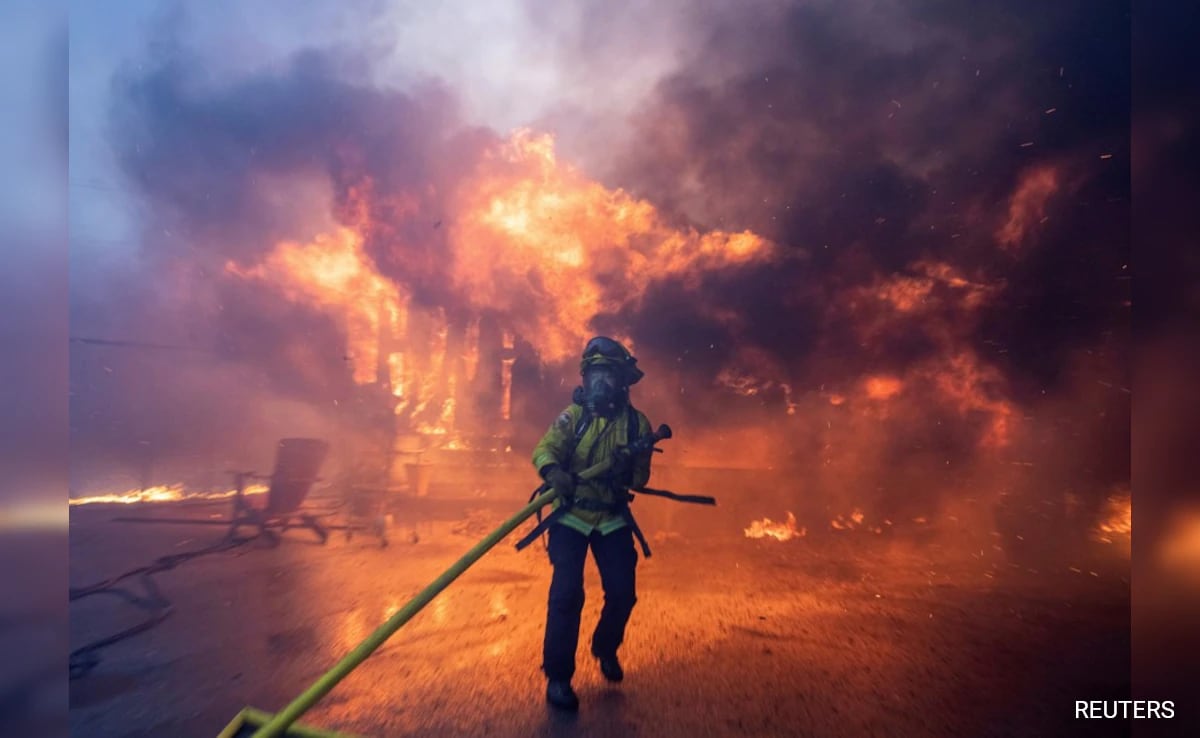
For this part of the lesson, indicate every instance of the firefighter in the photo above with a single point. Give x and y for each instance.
(592, 514)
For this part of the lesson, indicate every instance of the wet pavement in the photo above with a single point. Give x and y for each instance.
(826, 636)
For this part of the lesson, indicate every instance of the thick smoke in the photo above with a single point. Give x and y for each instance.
(945, 193)
(873, 137)
(227, 173)
(889, 143)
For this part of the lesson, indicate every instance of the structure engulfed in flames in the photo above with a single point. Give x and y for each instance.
(531, 230)
(767, 528)
(535, 251)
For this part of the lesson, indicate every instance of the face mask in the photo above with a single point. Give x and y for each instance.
(601, 389)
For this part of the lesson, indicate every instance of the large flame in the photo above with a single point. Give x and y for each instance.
(531, 231)
(767, 528)
(971, 386)
(535, 244)
(537, 229)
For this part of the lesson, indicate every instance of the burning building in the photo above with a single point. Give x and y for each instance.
(891, 311)
(872, 258)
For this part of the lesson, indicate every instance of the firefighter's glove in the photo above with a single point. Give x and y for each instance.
(621, 471)
(562, 481)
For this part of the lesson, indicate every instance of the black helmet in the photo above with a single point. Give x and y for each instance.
(603, 350)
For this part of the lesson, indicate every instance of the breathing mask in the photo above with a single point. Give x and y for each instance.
(603, 390)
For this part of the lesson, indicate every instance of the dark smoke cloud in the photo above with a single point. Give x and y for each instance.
(228, 170)
(205, 154)
(870, 141)
(871, 136)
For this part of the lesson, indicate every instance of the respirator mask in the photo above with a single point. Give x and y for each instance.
(603, 391)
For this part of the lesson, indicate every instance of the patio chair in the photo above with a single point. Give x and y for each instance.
(297, 462)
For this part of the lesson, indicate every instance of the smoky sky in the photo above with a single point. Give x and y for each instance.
(867, 153)
(201, 154)
(33, 285)
(864, 139)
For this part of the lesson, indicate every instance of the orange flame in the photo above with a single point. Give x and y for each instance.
(1117, 523)
(532, 230)
(883, 387)
(927, 285)
(334, 273)
(161, 493)
(971, 387)
(847, 523)
(854, 521)
(751, 372)
(396, 369)
(767, 528)
(537, 228)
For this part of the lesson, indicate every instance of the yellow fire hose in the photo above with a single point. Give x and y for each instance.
(280, 723)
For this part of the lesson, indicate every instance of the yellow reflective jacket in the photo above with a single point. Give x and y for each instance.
(598, 442)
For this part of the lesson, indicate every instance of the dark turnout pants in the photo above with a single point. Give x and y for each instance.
(616, 558)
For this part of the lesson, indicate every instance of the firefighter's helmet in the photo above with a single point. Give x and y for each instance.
(602, 350)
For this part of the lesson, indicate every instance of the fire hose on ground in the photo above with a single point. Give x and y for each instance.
(85, 658)
(281, 722)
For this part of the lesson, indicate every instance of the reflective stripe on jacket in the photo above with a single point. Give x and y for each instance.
(598, 442)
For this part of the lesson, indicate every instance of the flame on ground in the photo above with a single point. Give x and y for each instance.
(1118, 521)
(767, 528)
(855, 521)
(532, 229)
(162, 493)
